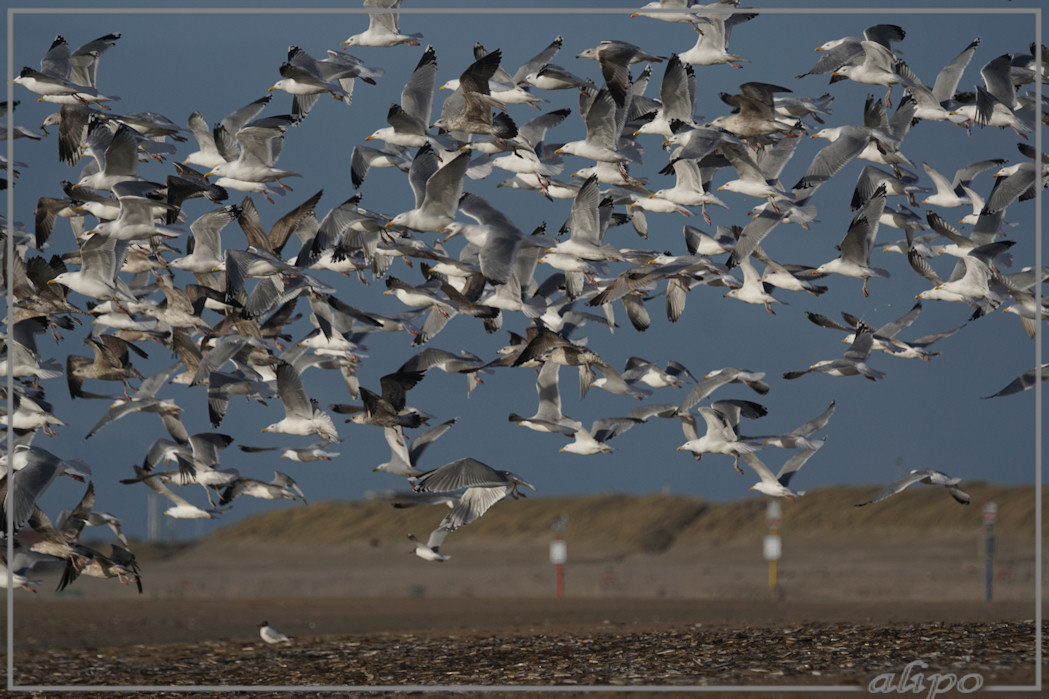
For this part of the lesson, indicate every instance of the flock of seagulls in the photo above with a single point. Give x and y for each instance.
(138, 254)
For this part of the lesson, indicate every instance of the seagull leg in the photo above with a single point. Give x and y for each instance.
(865, 292)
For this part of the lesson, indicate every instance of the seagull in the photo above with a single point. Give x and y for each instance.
(145, 400)
(100, 260)
(484, 487)
(838, 52)
(716, 379)
(593, 441)
(437, 191)
(281, 487)
(1023, 382)
(602, 134)
(469, 473)
(409, 120)
(31, 470)
(777, 485)
(691, 188)
(548, 417)
(305, 79)
(181, 508)
(754, 289)
(404, 457)
(120, 564)
(110, 363)
(218, 145)
(502, 88)
(261, 144)
(927, 476)
(722, 435)
(115, 156)
(951, 193)
(677, 97)
(752, 180)
(588, 223)
(852, 363)
(875, 68)
(52, 88)
(302, 416)
(21, 357)
(207, 255)
(615, 57)
(430, 550)
(799, 437)
(856, 246)
(711, 47)
(271, 635)
(753, 112)
(495, 238)
(318, 451)
(387, 409)
(383, 27)
(935, 104)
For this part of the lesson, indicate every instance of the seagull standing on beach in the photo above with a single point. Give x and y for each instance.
(271, 635)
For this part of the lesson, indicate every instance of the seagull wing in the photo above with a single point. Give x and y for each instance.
(292, 393)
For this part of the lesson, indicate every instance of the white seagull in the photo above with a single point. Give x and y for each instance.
(927, 476)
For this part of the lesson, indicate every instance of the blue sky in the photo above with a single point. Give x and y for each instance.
(923, 414)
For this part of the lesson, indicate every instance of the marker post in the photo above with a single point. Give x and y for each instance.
(559, 554)
(772, 544)
(990, 514)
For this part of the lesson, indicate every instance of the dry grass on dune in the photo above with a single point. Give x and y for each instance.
(650, 523)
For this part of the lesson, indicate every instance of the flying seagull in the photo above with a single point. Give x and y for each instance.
(927, 476)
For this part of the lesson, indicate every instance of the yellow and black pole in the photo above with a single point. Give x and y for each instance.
(773, 548)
